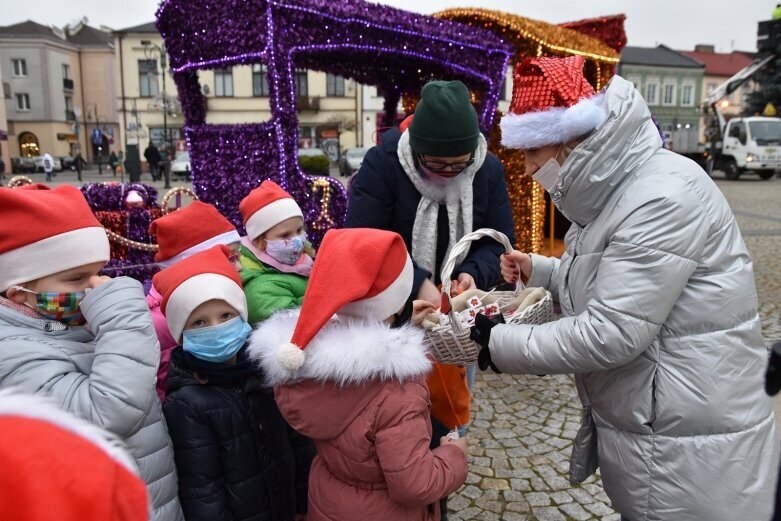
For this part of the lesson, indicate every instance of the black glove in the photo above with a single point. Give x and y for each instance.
(481, 334)
(773, 374)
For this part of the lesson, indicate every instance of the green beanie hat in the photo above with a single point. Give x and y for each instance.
(445, 122)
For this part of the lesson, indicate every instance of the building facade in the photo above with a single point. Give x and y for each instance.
(719, 67)
(671, 84)
(58, 86)
(328, 106)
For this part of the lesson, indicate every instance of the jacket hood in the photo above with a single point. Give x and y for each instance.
(609, 156)
(344, 352)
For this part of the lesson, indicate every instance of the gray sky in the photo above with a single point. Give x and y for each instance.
(678, 23)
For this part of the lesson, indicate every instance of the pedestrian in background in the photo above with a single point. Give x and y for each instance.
(48, 166)
(152, 156)
(113, 161)
(79, 164)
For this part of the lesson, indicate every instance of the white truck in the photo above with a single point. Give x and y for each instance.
(744, 144)
(750, 145)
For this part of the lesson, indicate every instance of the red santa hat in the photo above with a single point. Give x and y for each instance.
(265, 207)
(359, 273)
(196, 227)
(45, 231)
(57, 466)
(207, 275)
(552, 103)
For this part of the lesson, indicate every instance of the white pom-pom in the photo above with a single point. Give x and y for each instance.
(290, 356)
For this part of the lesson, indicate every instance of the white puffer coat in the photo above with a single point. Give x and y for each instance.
(661, 329)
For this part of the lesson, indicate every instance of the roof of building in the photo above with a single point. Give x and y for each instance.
(719, 63)
(81, 35)
(143, 28)
(85, 35)
(661, 55)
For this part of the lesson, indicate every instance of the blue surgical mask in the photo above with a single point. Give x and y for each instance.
(286, 251)
(217, 343)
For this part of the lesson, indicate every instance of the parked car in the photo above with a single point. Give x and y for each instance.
(180, 166)
(23, 165)
(351, 161)
(313, 161)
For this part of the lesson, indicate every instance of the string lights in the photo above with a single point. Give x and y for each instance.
(395, 50)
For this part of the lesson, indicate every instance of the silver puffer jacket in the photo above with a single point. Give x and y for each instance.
(661, 330)
(104, 373)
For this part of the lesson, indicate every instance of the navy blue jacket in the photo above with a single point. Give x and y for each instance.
(383, 197)
(236, 457)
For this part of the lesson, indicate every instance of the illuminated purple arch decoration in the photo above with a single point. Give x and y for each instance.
(395, 50)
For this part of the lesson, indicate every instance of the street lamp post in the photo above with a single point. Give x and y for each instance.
(154, 51)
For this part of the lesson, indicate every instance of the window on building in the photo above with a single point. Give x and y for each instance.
(66, 71)
(652, 92)
(334, 85)
(302, 84)
(147, 78)
(23, 102)
(20, 67)
(223, 83)
(69, 114)
(260, 81)
(687, 95)
(668, 95)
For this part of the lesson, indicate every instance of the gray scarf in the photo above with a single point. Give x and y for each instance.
(455, 194)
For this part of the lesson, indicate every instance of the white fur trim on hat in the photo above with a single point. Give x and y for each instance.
(226, 238)
(271, 215)
(195, 291)
(14, 403)
(52, 255)
(554, 126)
(384, 304)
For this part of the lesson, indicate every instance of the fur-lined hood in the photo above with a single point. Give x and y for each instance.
(345, 352)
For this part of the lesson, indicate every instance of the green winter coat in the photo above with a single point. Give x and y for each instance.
(267, 289)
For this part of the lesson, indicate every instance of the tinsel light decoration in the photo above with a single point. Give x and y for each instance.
(132, 248)
(536, 38)
(324, 221)
(607, 29)
(19, 180)
(394, 50)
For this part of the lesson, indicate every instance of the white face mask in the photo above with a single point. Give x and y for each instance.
(548, 174)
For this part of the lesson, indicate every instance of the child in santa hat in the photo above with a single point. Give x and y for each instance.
(275, 256)
(355, 383)
(236, 456)
(85, 340)
(194, 228)
(56, 466)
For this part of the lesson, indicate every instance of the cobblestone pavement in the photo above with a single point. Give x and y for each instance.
(523, 426)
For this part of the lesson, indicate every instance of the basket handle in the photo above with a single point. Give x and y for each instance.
(463, 246)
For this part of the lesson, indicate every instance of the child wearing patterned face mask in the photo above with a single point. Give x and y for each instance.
(85, 340)
(275, 256)
(235, 455)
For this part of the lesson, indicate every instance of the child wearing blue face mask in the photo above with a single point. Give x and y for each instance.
(84, 340)
(236, 457)
(275, 256)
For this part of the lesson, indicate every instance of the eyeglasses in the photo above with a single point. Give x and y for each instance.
(439, 166)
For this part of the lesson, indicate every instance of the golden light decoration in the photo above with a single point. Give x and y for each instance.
(19, 180)
(324, 221)
(175, 191)
(531, 38)
(127, 243)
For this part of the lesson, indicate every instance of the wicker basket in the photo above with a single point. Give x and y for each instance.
(450, 344)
